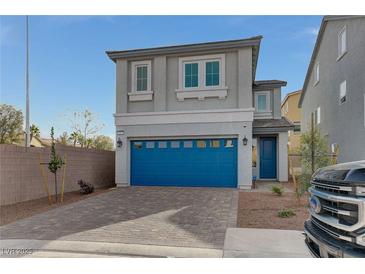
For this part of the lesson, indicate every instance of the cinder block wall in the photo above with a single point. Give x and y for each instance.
(21, 178)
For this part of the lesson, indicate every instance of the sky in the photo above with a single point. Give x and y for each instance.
(69, 70)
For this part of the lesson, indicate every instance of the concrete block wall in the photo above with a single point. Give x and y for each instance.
(21, 178)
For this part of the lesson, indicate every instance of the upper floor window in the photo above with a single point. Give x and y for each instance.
(202, 72)
(141, 76)
(262, 101)
(191, 75)
(212, 73)
(342, 42)
(317, 116)
(343, 92)
(316, 74)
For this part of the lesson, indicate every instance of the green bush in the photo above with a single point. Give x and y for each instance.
(279, 190)
(286, 213)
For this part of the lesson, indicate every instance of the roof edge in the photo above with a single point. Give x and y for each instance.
(268, 84)
(290, 94)
(185, 48)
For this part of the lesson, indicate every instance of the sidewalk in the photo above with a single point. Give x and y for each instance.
(264, 243)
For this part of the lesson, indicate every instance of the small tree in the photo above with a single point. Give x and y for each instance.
(11, 124)
(314, 152)
(34, 131)
(88, 142)
(55, 162)
(63, 139)
(103, 142)
(74, 137)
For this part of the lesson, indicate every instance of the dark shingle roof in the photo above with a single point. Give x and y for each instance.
(269, 83)
(273, 123)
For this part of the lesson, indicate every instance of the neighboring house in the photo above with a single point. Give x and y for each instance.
(291, 111)
(193, 115)
(36, 142)
(334, 87)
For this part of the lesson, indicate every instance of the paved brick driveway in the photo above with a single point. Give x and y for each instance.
(187, 217)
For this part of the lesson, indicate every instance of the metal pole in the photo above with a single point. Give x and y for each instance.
(27, 125)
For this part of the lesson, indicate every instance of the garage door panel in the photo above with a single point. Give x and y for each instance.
(206, 162)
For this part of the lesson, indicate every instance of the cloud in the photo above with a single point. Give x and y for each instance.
(311, 31)
(307, 33)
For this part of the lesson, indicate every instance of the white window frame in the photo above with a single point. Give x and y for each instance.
(341, 52)
(135, 95)
(183, 77)
(316, 74)
(136, 64)
(318, 116)
(202, 91)
(268, 101)
(343, 83)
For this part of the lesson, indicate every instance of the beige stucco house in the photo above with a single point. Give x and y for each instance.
(291, 111)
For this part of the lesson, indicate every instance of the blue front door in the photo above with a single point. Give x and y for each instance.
(203, 163)
(268, 158)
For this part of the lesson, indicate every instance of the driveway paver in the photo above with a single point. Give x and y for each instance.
(170, 216)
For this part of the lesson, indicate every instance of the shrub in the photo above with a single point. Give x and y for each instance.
(279, 190)
(85, 188)
(286, 213)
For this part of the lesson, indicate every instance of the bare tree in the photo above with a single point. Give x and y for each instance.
(87, 124)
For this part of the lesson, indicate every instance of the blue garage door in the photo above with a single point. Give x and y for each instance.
(204, 163)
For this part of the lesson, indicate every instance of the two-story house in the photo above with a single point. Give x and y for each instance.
(334, 87)
(291, 111)
(193, 115)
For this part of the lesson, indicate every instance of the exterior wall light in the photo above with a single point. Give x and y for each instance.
(119, 142)
(244, 141)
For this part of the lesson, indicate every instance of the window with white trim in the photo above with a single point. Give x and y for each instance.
(342, 42)
(316, 74)
(343, 92)
(212, 73)
(262, 101)
(191, 75)
(202, 72)
(141, 76)
(317, 116)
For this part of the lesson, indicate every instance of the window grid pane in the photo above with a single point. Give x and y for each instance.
(191, 75)
(261, 102)
(212, 73)
(142, 78)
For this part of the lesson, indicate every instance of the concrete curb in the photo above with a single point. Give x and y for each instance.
(104, 248)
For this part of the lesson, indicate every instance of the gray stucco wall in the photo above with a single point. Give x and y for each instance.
(341, 124)
(275, 103)
(165, 82)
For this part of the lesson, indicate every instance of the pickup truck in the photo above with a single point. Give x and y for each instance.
(336, 227)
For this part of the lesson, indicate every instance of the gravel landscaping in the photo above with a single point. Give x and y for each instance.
(14, 212)
(259, 209)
